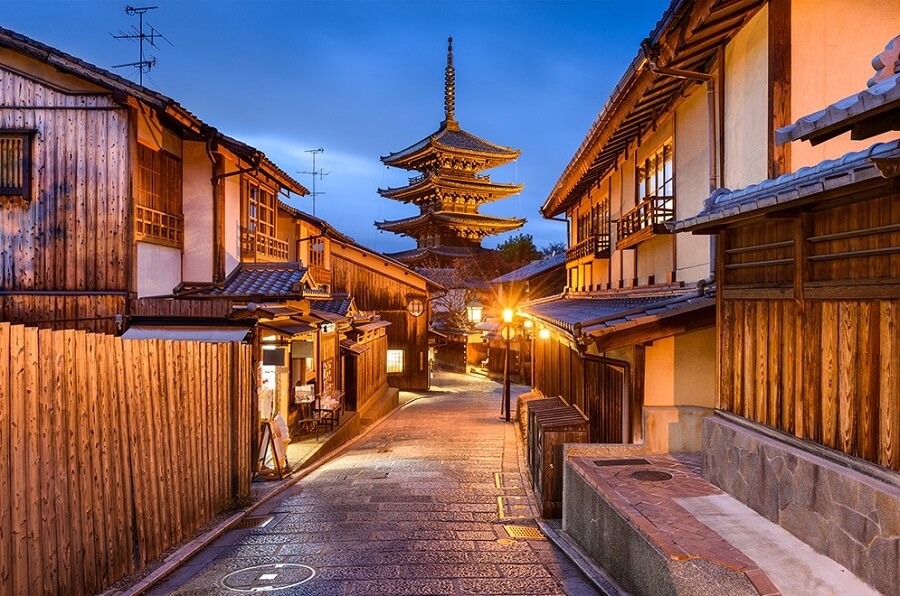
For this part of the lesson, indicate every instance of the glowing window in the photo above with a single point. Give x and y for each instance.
(395, 361)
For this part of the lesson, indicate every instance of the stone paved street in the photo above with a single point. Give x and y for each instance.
(414, 507)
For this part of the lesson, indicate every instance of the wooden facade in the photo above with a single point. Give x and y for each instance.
(388, 288)
(114, 451)
(809, 316)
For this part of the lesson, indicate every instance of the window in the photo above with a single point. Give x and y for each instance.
(15, 164)
(259, 213)
(395, 361)
(158, 208)
(655, 176)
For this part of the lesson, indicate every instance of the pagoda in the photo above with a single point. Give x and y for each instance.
(449, 190)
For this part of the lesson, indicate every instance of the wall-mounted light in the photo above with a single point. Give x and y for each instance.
(544, 333)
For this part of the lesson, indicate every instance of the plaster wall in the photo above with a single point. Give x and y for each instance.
(232, 220)
(655, 258)
(158, 269)
(198, 213)
(152, 133)
(691, 182)
(695, 368)
(832, 46)
(659, 374)
(747, 104)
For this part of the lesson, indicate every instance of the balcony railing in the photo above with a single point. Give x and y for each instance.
(645, 221)
(256, 244)
(158, 227)
(320, 274)
(596, 245)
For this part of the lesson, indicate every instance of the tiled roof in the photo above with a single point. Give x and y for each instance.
(532, 269)
(606, 314)
(791, 188)
(450, 218)
(842, 115)
(339, 304)
(459, 252)
(262, 281)
(454, 139)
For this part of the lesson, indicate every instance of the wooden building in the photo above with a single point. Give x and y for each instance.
(118, 193)
(449, 189)
(808, 267)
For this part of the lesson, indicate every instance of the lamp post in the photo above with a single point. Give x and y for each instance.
(507, 335)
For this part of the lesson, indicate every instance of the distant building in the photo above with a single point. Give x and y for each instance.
(449, 190)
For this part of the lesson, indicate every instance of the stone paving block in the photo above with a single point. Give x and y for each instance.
(400, 588)
(508, 586)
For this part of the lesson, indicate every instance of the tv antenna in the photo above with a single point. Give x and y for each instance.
(144, 64)
(315, 174)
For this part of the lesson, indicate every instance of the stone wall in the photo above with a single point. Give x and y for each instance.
(844, 508)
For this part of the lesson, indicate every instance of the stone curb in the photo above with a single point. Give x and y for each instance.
(593, 572)
(191, 548)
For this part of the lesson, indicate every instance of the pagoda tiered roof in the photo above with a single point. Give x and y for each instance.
(447, 187)
(472, 226)
(437, 253)
(451, 144)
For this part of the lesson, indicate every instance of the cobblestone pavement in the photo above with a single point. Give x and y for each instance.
(418, 506)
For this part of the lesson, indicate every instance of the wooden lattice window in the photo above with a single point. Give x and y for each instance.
(159, 216)
(655, 175)
(15, 163)
(260, 209)
(395, 361)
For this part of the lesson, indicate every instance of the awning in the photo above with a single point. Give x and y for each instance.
(209, 333)
(353, 347)
(287, 326)
(365, 327)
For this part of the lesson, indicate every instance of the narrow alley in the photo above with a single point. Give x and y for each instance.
(419, 505)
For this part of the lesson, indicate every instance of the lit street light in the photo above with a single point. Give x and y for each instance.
(508, 333)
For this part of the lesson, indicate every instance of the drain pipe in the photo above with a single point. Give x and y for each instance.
(651, 53)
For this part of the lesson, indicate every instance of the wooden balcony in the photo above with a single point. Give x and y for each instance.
(258, 245)
(596, 245)
(645, 221)
(158, 227)
(320, 274)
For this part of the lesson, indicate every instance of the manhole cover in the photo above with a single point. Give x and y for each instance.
(258, 521)
(526, 532)
(651, 475)
(267, 578)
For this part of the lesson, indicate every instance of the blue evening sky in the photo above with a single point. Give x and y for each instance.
(365, 78)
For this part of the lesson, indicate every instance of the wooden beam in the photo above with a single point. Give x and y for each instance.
(779, 157)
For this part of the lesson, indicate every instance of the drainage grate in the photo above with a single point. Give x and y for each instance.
(636, 461)
(652, 475)
(526, 532)
(259, 521)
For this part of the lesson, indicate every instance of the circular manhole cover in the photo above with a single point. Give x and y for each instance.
(651, 475)
(267, 578)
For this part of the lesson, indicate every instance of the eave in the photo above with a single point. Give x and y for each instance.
(428, 185)
(688, 37)
(488, 224)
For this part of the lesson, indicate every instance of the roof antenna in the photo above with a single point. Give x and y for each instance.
(320, 173)
(143, 64)
(449, 89)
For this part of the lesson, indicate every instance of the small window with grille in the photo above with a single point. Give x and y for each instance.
(15, 163)
(395, 361)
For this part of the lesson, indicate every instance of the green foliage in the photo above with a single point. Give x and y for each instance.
(554, 248)
(518, 250)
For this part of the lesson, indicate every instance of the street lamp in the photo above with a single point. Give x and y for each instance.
(474, 311)
(507, 333)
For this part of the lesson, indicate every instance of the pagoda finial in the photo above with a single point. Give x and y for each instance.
(449, 88)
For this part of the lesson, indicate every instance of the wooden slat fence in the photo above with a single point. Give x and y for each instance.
(113, 450)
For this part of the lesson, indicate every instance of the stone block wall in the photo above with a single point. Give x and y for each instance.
(822, 498)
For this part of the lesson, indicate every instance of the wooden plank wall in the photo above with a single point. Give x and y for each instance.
(829, 372)
(113, 450)
(73, 234)
(169, 307)
(371, 371)
(95, 313)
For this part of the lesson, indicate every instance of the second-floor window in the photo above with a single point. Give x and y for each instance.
(655, 177)
(15, 164)
(158, 198)
(260, 206)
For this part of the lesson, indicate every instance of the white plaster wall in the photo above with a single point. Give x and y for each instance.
(654, 258)
(198, 213)
(158, 269)
(747, 104)
(832, 46)
(691, 182)
(695, 368)
(232, 220)
(659, 373)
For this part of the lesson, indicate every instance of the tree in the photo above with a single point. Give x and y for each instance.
(554, 248)
(517, 251)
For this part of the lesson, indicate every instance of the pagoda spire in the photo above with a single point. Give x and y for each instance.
(449, 89)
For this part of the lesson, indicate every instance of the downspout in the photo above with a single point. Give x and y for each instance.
(650, 55)
(217, 233)
(568, 236)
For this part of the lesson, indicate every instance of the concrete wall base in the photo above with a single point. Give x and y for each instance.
(846, 509)
(627, 554)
